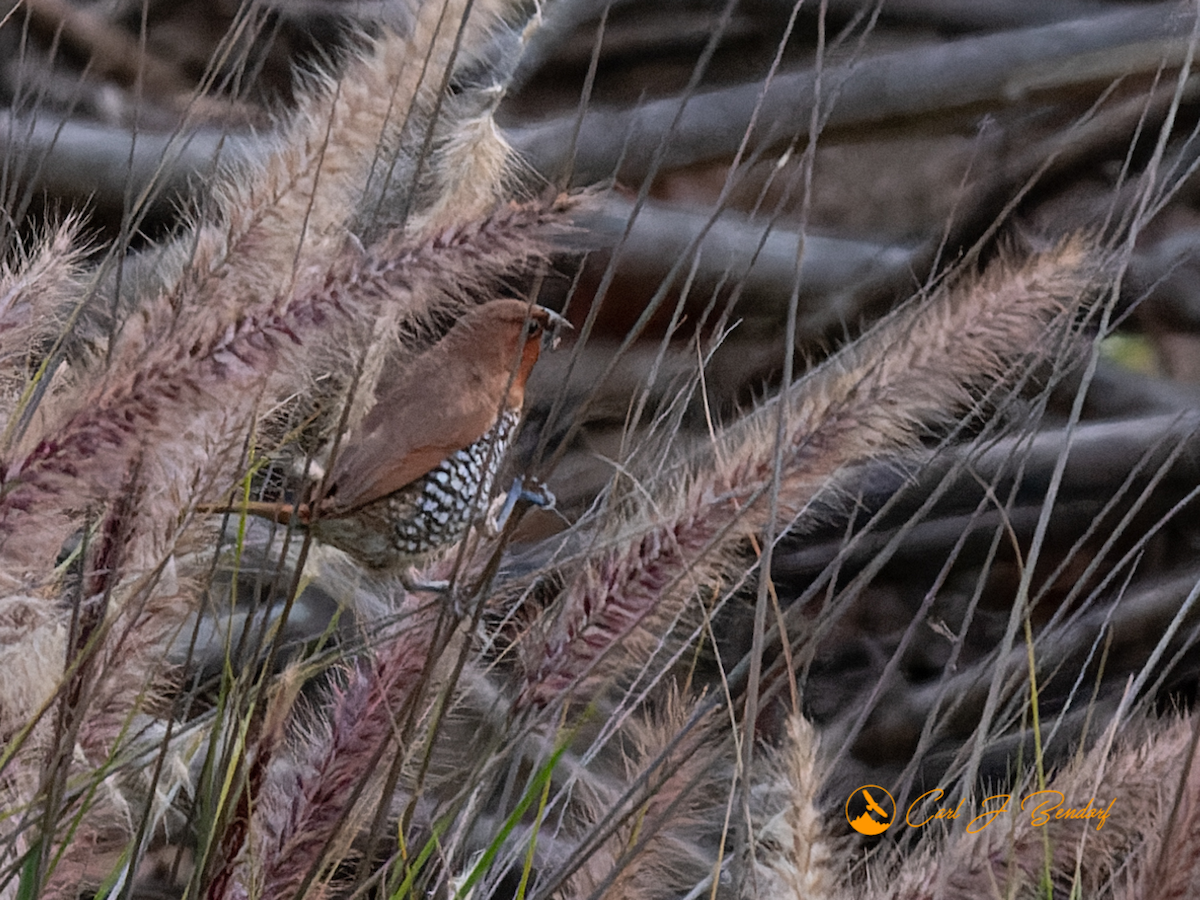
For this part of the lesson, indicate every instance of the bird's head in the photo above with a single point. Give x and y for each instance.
(552, 328)
(523, 331)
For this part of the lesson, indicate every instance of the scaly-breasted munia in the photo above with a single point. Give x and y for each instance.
(420, 468)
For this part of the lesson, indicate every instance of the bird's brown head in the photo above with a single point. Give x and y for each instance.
(522, 330)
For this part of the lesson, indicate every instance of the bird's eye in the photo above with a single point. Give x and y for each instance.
(533, 328)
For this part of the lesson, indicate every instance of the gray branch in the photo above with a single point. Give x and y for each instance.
(763, 258)
(995, 70)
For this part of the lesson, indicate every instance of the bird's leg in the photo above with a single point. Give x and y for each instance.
(535, 494)
(414, 584)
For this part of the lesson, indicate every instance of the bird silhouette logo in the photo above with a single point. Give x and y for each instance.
(870, 810)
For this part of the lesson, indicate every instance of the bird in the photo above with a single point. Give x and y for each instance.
(420, 468)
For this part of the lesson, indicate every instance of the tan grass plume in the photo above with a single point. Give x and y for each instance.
(877, 396)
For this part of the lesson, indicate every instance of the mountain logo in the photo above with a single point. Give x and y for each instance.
(870, 810)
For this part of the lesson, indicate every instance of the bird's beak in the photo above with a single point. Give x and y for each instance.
(555, 326)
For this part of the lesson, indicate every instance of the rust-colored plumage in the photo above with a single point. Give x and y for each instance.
(422, 464)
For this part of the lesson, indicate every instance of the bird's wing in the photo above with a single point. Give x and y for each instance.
(422, 419)
(875, 807)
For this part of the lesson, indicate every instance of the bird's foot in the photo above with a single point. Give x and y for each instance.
(532, 492)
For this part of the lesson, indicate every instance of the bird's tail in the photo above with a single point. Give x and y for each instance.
(276, 512)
